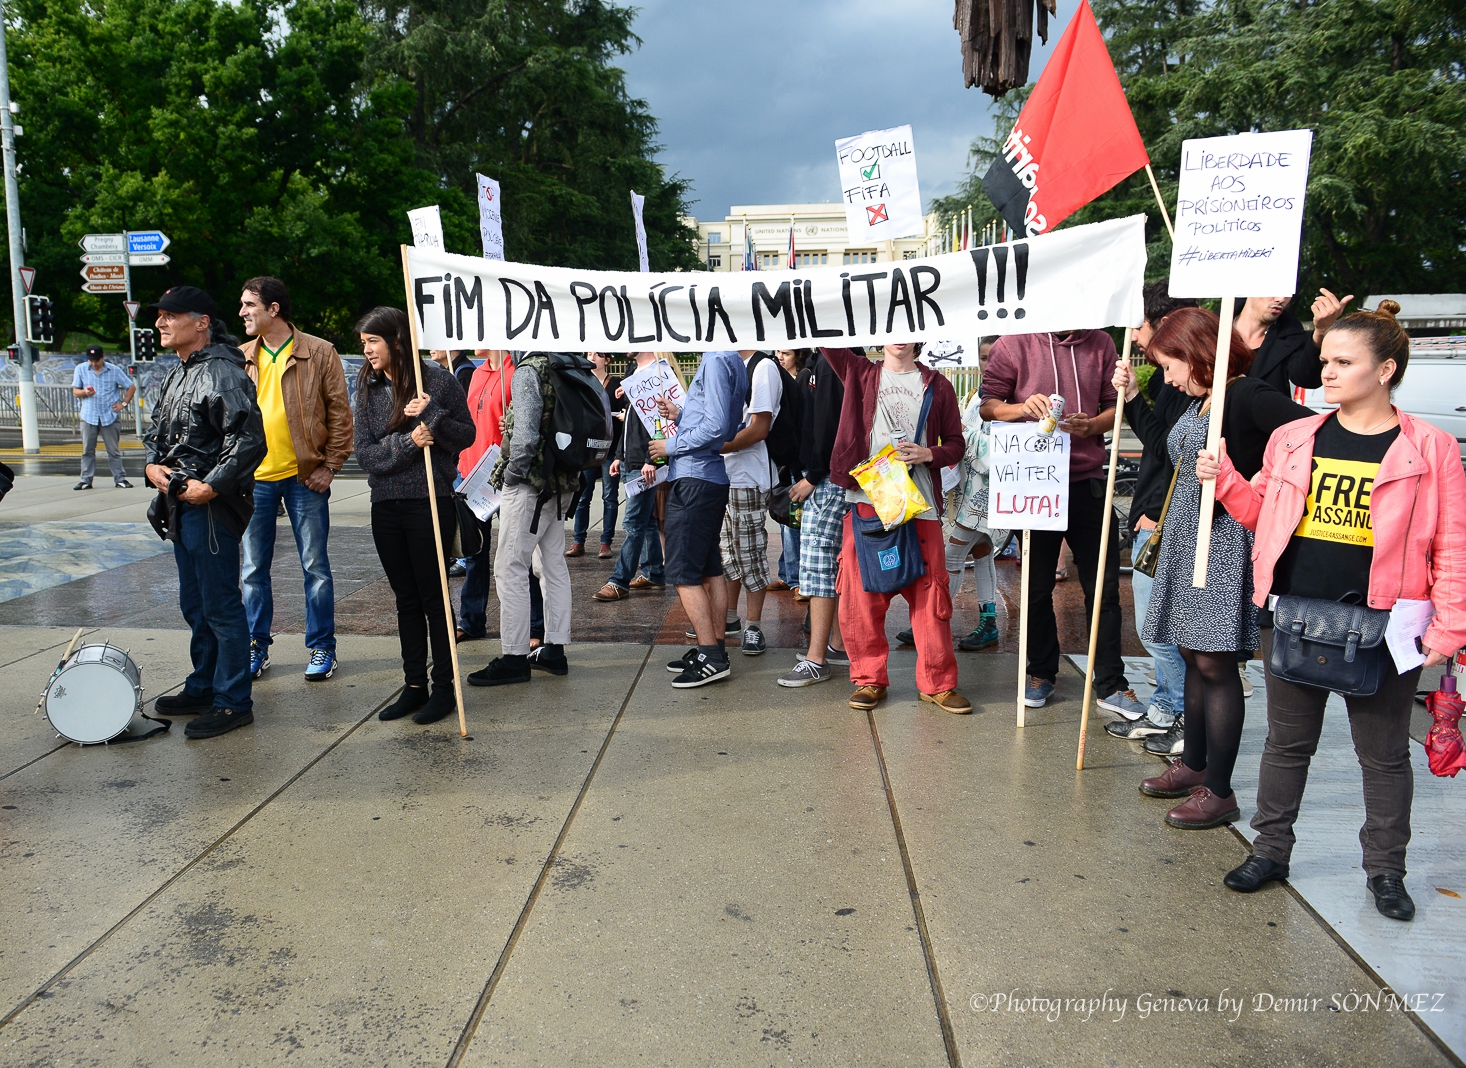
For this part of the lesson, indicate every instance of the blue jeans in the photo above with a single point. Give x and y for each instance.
(1170, 669)
(643, 544)
(207, 556)
(789, 555)
(310, 519)
(610, 498)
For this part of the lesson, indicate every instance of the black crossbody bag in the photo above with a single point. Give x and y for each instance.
(1331, 645)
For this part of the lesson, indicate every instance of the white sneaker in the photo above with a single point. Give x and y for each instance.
(1246, 680)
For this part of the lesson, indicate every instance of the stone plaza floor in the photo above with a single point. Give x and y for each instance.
(612, 872)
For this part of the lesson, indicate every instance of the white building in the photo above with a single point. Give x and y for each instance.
(820, 238)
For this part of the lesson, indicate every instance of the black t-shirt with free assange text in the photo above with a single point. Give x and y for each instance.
(1332, 548)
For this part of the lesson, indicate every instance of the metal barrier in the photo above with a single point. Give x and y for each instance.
(58, 411)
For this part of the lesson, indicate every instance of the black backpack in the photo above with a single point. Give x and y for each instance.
(581, 431)
(783, 439)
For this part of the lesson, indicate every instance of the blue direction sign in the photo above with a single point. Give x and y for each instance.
(144, 241)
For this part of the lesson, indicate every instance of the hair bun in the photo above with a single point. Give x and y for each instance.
(1388, 307)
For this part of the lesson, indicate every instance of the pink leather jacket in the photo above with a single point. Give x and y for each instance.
(1417, 509)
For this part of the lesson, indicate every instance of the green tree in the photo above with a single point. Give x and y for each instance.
(524, 91)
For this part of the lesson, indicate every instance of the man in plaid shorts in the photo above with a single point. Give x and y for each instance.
(820, 529)
(745, 538)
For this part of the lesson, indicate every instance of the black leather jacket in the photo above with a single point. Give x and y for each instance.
(206, 423)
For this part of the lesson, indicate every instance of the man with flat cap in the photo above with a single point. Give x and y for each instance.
(204, 444)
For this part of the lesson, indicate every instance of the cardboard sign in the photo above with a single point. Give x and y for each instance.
(878, 185)
(1028, 478)
(1239, 211)
(1080, 277)
(642, 390)
(427, 227)
(490, 222)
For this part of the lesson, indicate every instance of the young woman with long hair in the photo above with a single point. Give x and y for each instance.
(1211, 624)
(394, 423)
(1363, 505)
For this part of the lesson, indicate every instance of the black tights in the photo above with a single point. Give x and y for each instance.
(1213, 717)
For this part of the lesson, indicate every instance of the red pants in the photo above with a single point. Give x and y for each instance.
(863, 615)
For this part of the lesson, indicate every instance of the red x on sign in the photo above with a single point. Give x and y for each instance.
(876, 214)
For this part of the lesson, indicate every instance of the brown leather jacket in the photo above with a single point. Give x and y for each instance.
(317, 406)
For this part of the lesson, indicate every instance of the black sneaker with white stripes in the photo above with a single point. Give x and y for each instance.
(1135, 730)
(1172, 742)
(680, 665)
(702, 671)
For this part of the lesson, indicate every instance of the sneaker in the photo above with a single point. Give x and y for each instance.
(683, 662)
(983, 635)
(82, 485)
(549, 658)
(701, 672)
(457, 569)
(836, 657)
(753, 641)
(1038, 691)
(217, 721)
(259, 658)
(1246, 680)
(1171, 743)
(322, 665)
(806, 673)
(905, 637)
(1123, 703)
(732, 628)
(122, 484)
(1133, 730)
(502, 671)
(183, 704)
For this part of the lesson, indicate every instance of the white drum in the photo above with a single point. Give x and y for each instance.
(95, 694)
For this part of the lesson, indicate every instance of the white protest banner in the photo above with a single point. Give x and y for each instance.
(636, 205)
(1083, 277)
(482, 497)
(490, 222)
(1028, 478)
(1239, 210)
(427, 227)
(950, 354)
(878, 183)
(642, 390)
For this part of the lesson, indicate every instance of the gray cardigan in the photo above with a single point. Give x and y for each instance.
(392, 462)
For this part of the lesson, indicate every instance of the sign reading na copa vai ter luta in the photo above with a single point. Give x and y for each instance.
(1028, 478)
(1084, 277)
(1239, 212)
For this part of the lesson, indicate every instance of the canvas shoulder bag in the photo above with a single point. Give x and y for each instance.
(889, 560)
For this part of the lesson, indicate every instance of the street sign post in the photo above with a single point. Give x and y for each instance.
(132, 306)
(104, 243)
(108, 260)
(105, 272)
(143, 242)
(104, 257)
(28, 278)
(104, 287)
(149, 259)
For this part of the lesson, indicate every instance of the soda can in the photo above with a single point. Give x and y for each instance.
(1049, 423)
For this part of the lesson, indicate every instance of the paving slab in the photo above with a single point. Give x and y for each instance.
(89, 833)
(18, 643)
(355, 918)
(730, 893)
(1040, 882)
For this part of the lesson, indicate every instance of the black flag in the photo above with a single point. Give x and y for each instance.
(1008, 194)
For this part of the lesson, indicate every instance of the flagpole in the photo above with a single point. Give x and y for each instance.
(1166, 215)
(427, 455)
(1099, 579)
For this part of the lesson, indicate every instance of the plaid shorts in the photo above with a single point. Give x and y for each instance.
(821, 530)
(745, 540)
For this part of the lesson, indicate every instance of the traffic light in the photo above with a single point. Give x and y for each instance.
(147, 348)
(40, 320)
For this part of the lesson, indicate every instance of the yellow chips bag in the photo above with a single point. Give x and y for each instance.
(893, 493)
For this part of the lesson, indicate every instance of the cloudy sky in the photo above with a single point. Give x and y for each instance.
(751, 95)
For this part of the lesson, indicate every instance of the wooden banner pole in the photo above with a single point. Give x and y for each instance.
(1104, 548)
(1213, 440)
(1165, 214)
(1023, 627)
(427, 456)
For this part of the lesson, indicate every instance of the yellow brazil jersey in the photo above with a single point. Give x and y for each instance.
(279, 462)
(1337, 508)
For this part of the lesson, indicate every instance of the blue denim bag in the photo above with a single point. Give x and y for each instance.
(890, 560)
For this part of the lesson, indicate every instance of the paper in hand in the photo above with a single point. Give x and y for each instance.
(1408, 621)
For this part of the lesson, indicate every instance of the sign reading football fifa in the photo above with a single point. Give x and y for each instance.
(878, 185)
(1083, 277)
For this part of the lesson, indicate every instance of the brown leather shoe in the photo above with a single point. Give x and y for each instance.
(610, 592)
(641, 582)
(949, 701)
(605, 553)
(1204, 809)
(1176, 781)
(777, 585)
(576, 549)
(866, 698)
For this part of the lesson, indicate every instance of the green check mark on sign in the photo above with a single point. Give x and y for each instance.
(871, 173)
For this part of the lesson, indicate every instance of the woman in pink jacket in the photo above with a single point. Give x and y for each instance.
(1361, 505)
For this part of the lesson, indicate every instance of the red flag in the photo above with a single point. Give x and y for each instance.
(1074, 139)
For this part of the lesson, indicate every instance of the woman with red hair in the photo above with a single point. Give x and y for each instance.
(1210, 624)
